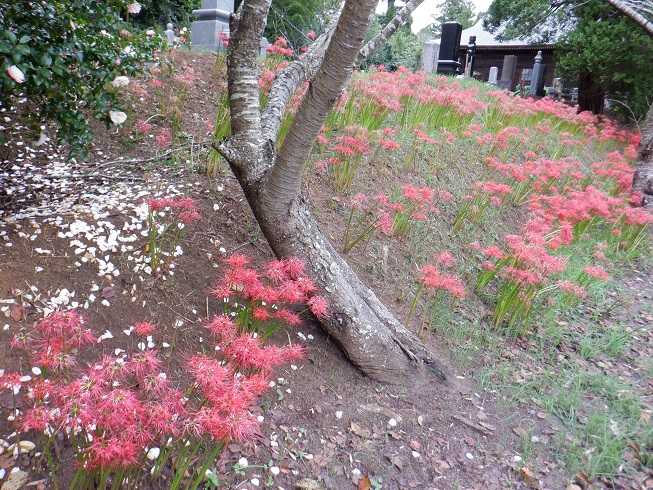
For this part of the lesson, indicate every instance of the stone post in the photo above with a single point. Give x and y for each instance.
(494, 74)
(537, 77)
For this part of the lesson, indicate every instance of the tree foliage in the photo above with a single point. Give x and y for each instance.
(461, 11)
(403, 49)
(292, 19)
(69, 52)
(594, 39)
(160, 12)
(616, 52)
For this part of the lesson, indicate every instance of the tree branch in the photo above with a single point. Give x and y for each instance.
(630, 9)
(289, 80)
(242, 77)
(286, 176)
(391, 27)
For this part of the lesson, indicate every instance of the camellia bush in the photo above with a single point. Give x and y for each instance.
(70, 58)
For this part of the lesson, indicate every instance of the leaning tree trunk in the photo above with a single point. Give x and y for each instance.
(643, 177)
(366, 330)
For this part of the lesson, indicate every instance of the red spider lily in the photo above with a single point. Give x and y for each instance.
(164, 137)
(143, 127)
(445, 259)
(573, 289)
(318, 306)
(596, 272)
(432, 278)
(222, 327)
(112, 453)
(143, 364)
(143, 329)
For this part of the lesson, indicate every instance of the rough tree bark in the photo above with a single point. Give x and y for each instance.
(643, 177)
(366, 330)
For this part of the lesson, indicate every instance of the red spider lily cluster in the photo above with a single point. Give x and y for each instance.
(263, 299)
(435, 280)
(348, 151)
(565, 205)
(437, 284)
(393, 91)
(280, 47)
(485, 194)
(390, 216)
(183, 208)
(113, 409)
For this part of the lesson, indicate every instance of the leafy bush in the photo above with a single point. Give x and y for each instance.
(63, 56)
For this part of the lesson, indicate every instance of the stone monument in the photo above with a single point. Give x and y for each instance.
(212, 25)
(430, 52)
(448, 63)
(508, 71)
(494, 74)
(537, 77)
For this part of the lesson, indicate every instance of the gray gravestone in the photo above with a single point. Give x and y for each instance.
(170, 34)
(537, 77)
(263, 47)
(212, 24)
(557, 88)
(448, 63)
(494, 74)
(430, 53)
(508, 71)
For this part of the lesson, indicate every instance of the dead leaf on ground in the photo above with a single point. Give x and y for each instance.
(17, 313)
(529, 478)
(364, 483)
(359, 431)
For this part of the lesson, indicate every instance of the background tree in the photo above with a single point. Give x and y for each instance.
(271, 178)
(600, 49)
(160, 12)
(293, 19)
(390, 40)
(461, 11)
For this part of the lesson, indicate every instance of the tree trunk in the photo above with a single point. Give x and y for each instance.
(590, 94)
(358, 321)
(365, 329)
(643, 177)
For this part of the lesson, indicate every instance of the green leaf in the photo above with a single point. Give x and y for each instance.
(45, 60)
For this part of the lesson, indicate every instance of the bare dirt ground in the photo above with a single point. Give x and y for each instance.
(325, 425)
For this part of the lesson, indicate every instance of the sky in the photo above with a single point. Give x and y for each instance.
(423, 14)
